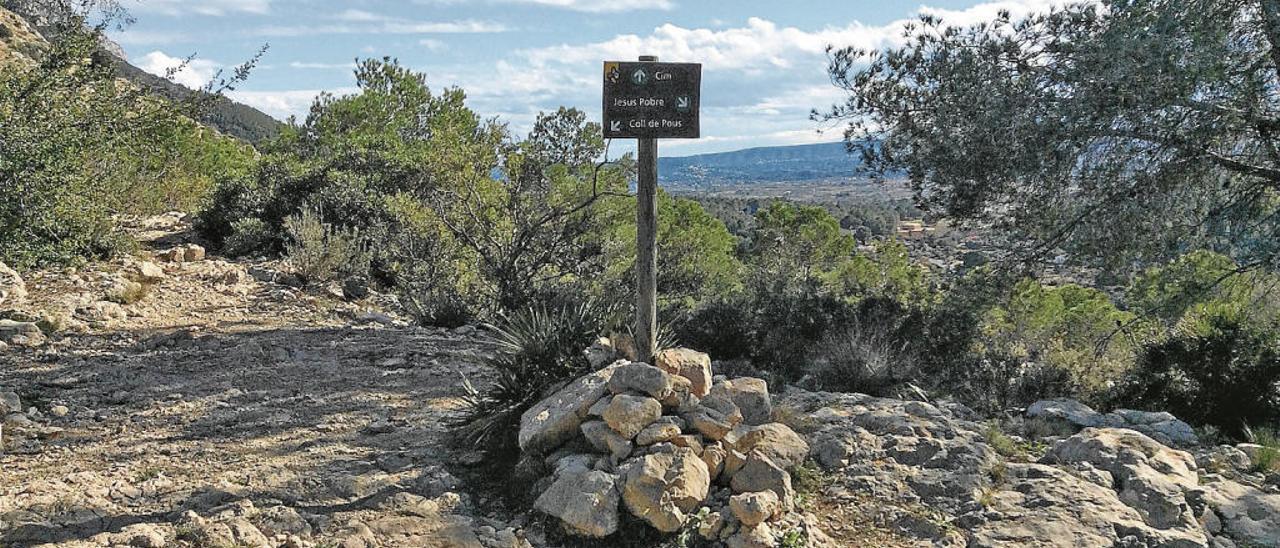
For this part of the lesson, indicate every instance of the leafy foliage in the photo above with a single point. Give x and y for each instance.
(78, 146)
(533, 351)
(1118, 130)
(1229, 378)
(320, 253)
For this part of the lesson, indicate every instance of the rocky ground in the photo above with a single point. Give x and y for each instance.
(173, 399)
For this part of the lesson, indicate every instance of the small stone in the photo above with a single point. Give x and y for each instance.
(711, 526)
(603, 438)
(690, 364)
(193, 253)
(10, 403)
(150, 272)
(657, 432)
(642, 378)
(760, 473)
(760, 536)
(586, 502)
(713, 456)
(628, 415)
(754, 508)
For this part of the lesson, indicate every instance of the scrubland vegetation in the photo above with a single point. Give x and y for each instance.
(408, 187)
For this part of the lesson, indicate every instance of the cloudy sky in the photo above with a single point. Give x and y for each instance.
(763, 60)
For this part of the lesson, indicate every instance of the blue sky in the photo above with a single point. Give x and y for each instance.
(763, 60)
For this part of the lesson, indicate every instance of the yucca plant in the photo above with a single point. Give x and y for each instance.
(533, 351)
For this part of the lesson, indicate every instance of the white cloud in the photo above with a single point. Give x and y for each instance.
(382, 25)
(603, 6)
(286, 103)
(202, 7)
(588, 6)
(194, 74)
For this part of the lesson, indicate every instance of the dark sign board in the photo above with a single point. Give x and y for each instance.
(651, 100)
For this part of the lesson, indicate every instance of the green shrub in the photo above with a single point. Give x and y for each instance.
(862, 358)
(1228, 377)
(531, 352)
(319, 253)
(720, 327)
(78, 148)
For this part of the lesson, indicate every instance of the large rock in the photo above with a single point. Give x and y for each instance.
(21, 333)
(1248, 516)
(1149, 477)
(751, 395)
(641, 378)
(1045, 506)
(628, 415)
(555, 420)
(1070, 411)
(586, 502)
(12, 288)
(1162, 426)
(690, 364)
(664, 488)
(760, 473)
(776, 441)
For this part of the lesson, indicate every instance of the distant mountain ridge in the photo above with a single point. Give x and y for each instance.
(760, 165)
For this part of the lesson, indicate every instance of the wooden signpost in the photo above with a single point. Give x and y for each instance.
(648, 100)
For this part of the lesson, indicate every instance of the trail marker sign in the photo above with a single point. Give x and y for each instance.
(650, 100)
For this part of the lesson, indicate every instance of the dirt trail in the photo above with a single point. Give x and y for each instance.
(225, 410)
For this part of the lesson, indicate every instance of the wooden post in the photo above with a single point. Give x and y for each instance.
(647, 247)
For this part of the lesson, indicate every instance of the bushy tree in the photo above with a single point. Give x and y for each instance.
(1119, 130)
(1227, 376)
(1187, 292)
(696, 253)
(78, 146)
(889, 273)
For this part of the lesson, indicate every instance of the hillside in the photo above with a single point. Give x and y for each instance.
(797, 163)
(229, 117)
(20, 38)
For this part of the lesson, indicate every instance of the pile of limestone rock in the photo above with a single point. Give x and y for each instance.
(674, 448)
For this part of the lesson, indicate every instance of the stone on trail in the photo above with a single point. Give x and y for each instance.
(586, 502)
(21, 333)
(555, 420)
(754, 508)
(628, 415)
(664, 488)
(776, 441)
(641, 378)
(760, 473)
(690, 364)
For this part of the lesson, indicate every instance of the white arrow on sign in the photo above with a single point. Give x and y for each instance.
(682, 102)
(615, 126)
